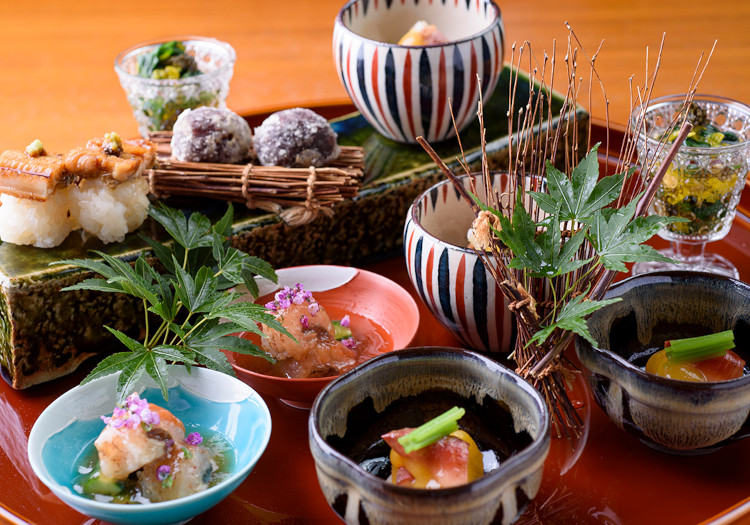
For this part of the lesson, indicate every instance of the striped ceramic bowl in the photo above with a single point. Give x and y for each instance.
(448, 276)
(403, 91)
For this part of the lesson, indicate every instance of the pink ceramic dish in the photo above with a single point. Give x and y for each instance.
(380, 309)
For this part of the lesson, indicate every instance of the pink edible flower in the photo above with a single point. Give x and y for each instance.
(349, 342)
(194, 438)
(162, 472)
(133, 412)
(345, 321)
(287, 296)
(305, 322)
(314, 308)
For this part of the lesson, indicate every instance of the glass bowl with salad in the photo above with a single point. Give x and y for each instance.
(164, 77)
(705, 179)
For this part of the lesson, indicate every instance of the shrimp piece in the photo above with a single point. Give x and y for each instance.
(189, 467)
(316, 352)
(135, 436)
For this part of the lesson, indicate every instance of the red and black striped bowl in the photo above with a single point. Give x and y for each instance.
(448, 276)
(404, 91)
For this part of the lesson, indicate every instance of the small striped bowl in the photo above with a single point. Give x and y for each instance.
(403, 91)
(448, 276)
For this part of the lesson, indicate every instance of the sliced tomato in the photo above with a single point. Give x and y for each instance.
(448, 462)
(728, 366)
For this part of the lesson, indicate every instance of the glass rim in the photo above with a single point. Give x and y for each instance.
(669, 100)
(141, 47)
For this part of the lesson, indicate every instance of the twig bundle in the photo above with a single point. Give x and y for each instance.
(298, 195)
(538, 301)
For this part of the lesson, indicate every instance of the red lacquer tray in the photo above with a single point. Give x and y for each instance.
(610, 477)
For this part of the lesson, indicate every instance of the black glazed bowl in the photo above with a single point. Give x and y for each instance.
(675, 416)
(406, 388)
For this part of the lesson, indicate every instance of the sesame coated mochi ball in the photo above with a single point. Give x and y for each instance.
(295, 138)
(208, 134)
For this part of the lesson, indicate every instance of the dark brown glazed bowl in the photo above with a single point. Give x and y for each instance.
(405, 388)
(675, 416)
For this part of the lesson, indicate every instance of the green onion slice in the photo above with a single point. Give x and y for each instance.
(700, 348)
(432, 431)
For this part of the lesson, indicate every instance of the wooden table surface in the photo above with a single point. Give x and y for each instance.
(57, 81)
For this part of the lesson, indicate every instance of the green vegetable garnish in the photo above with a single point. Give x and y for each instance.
(97, 484)
(35, 149)
(693, 349)
(341, 332)
(196, 313)
(435, 429)
(169, 60)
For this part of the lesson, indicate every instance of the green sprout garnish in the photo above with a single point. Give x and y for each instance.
(700, 348)
(432, 431)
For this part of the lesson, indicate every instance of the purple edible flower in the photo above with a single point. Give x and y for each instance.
(133, 412)
(287, 296)
(349, 342)
(345, 321)
(162, 472)
(314, 308)
(194, 438)
(305, 322)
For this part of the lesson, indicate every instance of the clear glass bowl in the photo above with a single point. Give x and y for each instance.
(702, 184)
(156, 103)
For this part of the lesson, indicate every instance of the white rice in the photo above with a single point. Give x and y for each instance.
(110, 212)
(42, 224)
(98, 209)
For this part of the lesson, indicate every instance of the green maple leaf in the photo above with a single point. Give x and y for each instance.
(572, 317)
(539, 247)
(577, 198)
(617, 237)
(199, 316)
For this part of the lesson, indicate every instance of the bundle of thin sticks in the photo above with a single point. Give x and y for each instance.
(297, 195)
(536, 301)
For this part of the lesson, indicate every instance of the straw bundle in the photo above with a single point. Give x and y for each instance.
(297, 195)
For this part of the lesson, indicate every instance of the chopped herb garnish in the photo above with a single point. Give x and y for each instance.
(341, 331)
(432, 431)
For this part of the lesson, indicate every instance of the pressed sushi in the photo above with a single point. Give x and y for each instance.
(99, 189)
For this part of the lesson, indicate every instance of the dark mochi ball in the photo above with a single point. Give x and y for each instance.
(208, 134)
(295, 138)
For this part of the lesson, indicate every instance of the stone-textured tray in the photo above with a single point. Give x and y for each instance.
(45, 333)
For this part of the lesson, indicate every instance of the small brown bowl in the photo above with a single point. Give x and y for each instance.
(679, 417)
(504, 415)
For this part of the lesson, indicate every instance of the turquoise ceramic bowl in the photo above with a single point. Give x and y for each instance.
(205, 399)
